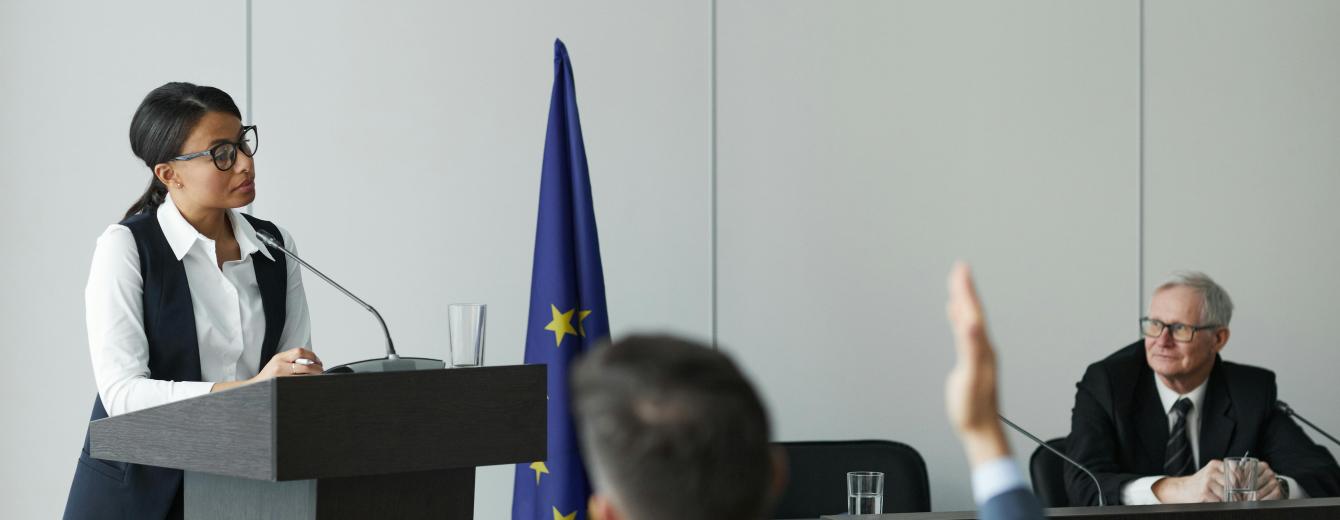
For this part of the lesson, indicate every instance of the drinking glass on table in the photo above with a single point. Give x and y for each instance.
(465, 330)
(1240, 474)
(865, 493)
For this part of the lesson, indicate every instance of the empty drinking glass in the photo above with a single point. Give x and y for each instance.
(465, 329)
(1240, 474)
(865, 493)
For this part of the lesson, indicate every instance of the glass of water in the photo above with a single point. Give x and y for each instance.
(1240, 474)
(865, 493)
(465, 329)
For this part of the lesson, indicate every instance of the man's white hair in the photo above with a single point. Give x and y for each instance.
(1216, 307)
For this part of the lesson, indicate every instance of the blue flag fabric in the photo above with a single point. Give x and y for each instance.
(567, 305)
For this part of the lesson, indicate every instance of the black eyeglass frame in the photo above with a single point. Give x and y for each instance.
(214, 151)
(1172, 328)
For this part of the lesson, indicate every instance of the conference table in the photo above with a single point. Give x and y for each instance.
(1304, 509)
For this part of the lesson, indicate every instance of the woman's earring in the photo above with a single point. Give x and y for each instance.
(179, 185)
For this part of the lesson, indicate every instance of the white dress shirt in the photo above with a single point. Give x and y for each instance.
(1141, 491)
(229, 317)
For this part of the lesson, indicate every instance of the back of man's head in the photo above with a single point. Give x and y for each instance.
(672, 430)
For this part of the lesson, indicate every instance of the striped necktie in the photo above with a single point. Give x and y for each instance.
(1179, 462)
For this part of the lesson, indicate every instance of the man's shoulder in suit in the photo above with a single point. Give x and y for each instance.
(1128, 357)
(1117, 370)
(1249, 375)
(1252, 389)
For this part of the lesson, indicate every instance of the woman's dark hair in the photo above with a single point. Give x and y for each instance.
(160, 128)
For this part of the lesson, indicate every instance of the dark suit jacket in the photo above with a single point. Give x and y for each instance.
(1119, 429)
(1017, 504)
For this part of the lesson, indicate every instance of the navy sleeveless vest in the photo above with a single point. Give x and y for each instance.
(106, 489)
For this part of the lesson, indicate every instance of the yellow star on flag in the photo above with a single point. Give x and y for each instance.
(539, 468)
(560, 516)
(581, 317)
(562, 324)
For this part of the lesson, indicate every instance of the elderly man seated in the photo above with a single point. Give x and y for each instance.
(1155, 420)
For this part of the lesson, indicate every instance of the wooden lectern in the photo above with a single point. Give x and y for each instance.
(373, 445)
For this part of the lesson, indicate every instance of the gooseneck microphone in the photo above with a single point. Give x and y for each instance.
(270, 241)
(1058, 453)
(1284, 407)
(391, 362)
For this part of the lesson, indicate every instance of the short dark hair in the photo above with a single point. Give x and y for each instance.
(671, 429)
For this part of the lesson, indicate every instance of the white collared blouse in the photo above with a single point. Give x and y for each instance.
(229, 318)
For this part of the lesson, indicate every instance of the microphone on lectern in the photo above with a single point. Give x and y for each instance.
(390, 363)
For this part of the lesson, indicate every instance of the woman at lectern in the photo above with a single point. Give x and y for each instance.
(182, 297)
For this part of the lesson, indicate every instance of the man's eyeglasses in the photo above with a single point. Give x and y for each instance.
(1180, 332)
(225, 154)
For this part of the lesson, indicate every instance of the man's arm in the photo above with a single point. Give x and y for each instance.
(1291, 453)
(1019, 504)
(1093, 443)
(970, 398)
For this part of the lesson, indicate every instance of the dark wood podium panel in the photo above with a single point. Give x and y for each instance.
(416, 421)
(337, 446)
(1305, 509)
(229, 433)
(341, 425)
(447, 494)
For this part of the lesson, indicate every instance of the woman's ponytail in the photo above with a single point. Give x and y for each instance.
(153, 196)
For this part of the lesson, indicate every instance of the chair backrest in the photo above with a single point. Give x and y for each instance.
(818, 477)
(1048, 473)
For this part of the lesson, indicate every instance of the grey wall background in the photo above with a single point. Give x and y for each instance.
(795, 176)
(1242, 175)
(857, 164)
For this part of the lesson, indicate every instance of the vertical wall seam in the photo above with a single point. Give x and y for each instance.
(712, 170)
(246, 74)
(247, 87)
(1140, 293)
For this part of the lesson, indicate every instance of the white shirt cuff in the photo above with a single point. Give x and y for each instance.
(994, 478)
(189, 389)
(1140, 492)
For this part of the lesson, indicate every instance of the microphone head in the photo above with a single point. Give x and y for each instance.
(1283, 406)
(266, 238)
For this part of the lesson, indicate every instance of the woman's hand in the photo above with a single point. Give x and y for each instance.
(282, 364)
(286, 364)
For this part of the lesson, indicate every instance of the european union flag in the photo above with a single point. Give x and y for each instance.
(567, 304)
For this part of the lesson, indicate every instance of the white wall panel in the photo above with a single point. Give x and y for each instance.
(1243, 171)
(862, 146)
(865, 145)
(402, 146)
(71, 75)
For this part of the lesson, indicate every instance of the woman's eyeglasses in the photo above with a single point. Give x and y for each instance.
(225, 154)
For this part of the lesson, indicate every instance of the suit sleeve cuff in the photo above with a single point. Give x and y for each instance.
(994, 478)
